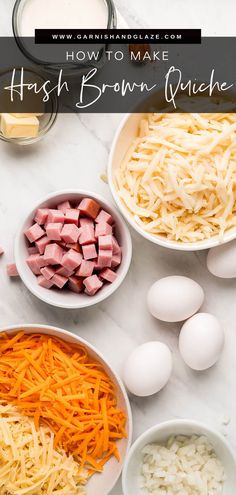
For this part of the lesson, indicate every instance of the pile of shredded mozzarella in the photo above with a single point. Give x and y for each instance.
(178, 179)
(29, 464)
(184, 466)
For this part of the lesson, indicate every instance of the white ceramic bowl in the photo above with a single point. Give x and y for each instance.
(126, 133)
(159, 434)
(101, 484)
(66, 298)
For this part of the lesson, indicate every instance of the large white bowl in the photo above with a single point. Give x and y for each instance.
(65, 298)
(125, 135)
(159, 434)
(99, 484)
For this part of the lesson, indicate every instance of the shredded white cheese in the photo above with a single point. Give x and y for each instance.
(29, 464)
(184, 466)
(178, 179)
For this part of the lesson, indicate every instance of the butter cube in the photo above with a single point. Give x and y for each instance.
(26, 115)
(12, 127)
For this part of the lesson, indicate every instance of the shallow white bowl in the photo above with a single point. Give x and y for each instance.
(159, 434)
(99, 484)
(126, 133)
(66, 298)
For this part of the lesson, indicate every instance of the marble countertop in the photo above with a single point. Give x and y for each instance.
(75, 153)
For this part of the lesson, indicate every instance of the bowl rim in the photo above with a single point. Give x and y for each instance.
(172, 423)
(61, 331)
(100, 296)
(160, 241)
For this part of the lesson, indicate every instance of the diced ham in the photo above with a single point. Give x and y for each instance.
(47, 272)
(12, 270)
(53, 254)
(103, 216)
(86, 221)
(108, 275)
(64, 206)
(104, 258)
(74, 246)
(89, 251)
(70, 233)
(92, 284)
(33, 249)
(102, 228)
(34, 233)
(41, 244)
(89, 207)
(72, 216)
(35, 262)
(87, 235)
(53, 231)
(71, 260)
(116, 260)
(59, 280)
(55, 216)
(64, 272)
(76, 284)
(41, 216)
(43, 282)
(116, 249)
(105, 242)
(86, 269)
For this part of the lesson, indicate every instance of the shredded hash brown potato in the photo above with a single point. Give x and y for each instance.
(29, 464)
(178, 179)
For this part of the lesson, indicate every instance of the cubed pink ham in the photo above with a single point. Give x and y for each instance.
(89, 207)
(116, 249)
(104, 258)
(33, 249)
(72, 216)
(102, 228)
(89, 251)
(55, 216)
(116, 260)
(53, 254)
(70, 233)
(86, 221)
(47, 272)
(71, 260)
(76, 284)
(64, 206)
(35, 262)
(43, 282)
(34, 233)
(105, 242)
(59, 280)
(41, 216)
(41, 244)
(103, 216)
(87, 235)
(12, 270)
(86, 269)
(92, 284)
(74, 246)
(64, 272)
(53, 231)
(108, 275)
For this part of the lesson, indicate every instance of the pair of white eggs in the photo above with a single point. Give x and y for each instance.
(201, 340)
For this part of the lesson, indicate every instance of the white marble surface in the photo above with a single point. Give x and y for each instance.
(74, 154)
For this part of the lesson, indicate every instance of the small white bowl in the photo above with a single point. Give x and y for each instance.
(124, 137)
(159, 434)
(66, 298)
(101, 484)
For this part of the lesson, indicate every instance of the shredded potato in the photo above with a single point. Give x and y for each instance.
(29, 464)
(178, 179)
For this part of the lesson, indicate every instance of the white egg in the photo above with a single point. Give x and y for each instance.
(148, 369)
(221, 260)
(201, 341)
(174, 298)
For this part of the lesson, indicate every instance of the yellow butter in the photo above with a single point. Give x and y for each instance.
(13, 127)
(26, 115)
